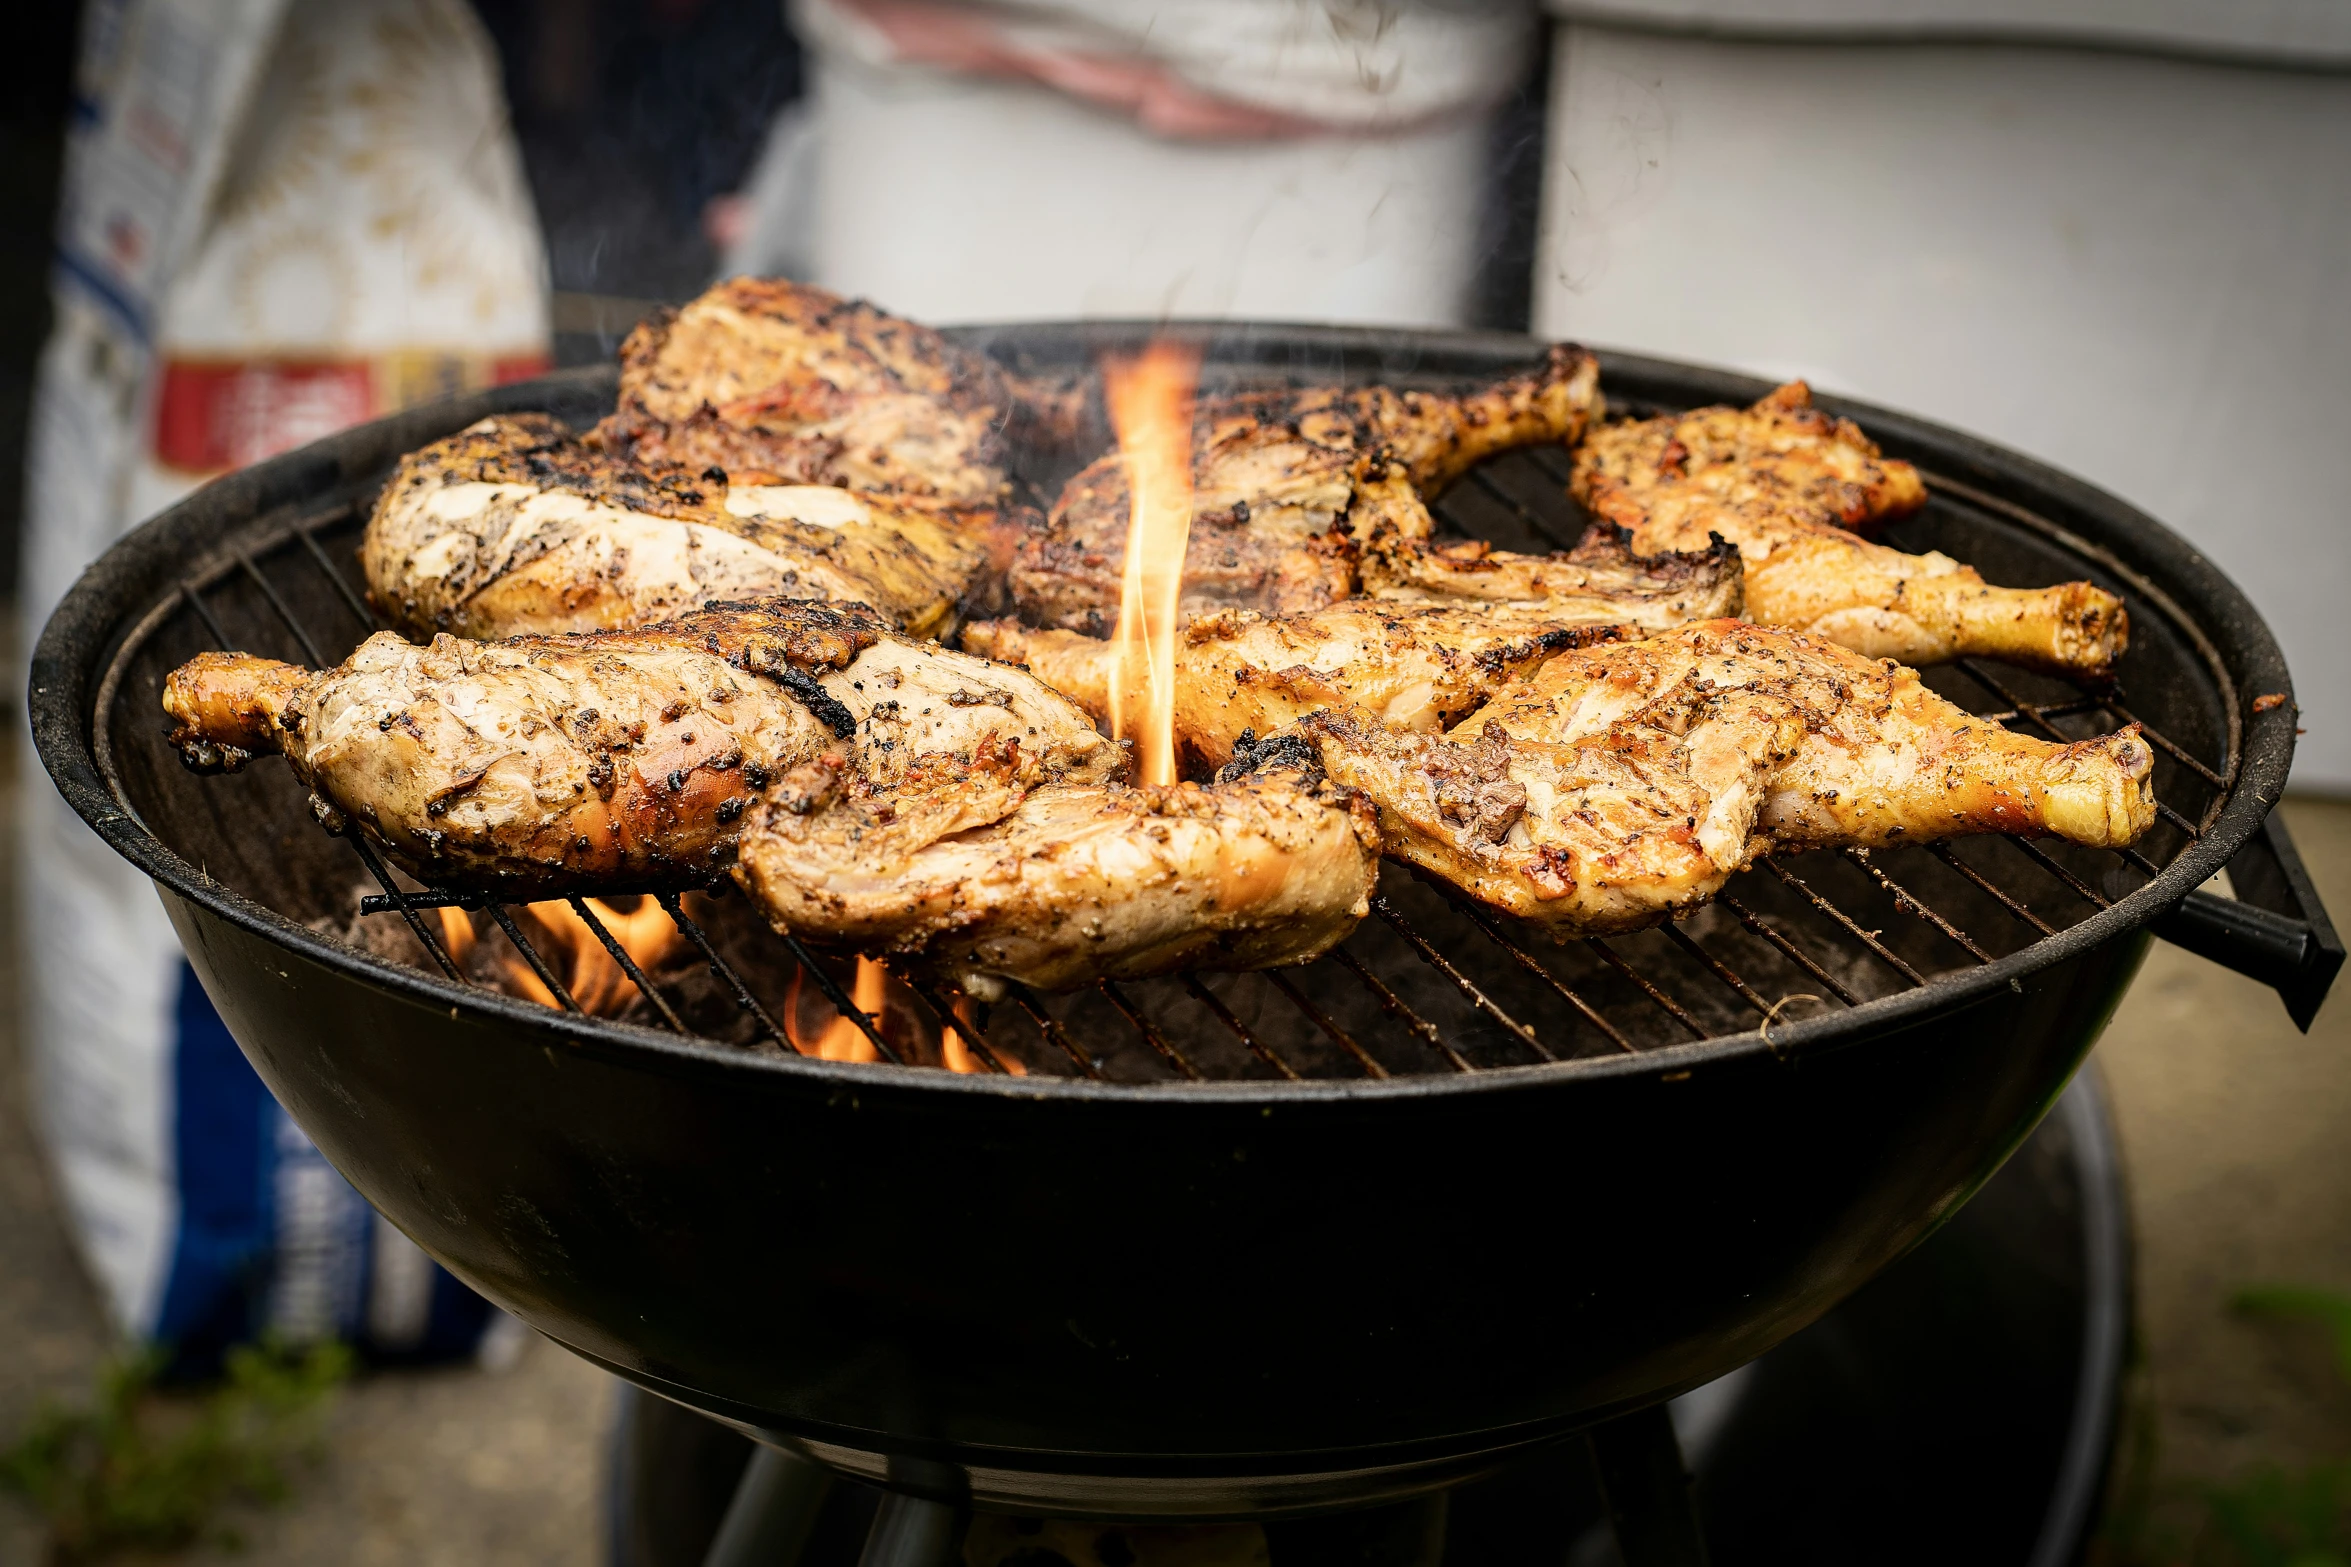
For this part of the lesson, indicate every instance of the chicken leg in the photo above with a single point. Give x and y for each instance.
(1621, 785)
(862, 787)
(1787, 485)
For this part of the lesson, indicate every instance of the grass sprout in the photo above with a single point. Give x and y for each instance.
(140, 1469)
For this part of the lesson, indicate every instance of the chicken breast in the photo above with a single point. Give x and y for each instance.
(1077, 882)
(776, 382)
(616, 760)
(1285, 483)
(1787, 485)
(1621, 785)
(511, 527)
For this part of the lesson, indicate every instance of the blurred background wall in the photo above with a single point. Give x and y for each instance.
(2115, 236)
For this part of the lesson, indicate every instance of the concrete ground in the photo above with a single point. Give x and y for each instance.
(2234, 1132)
(2231, 1121)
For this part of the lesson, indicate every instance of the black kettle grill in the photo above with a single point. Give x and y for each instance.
(1235, 1245)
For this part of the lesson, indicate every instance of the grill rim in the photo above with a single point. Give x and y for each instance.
(128, 586)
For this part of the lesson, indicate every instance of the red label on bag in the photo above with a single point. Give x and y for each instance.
(212, 416)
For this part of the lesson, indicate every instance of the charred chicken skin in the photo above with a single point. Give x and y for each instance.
(1787, 485)
(782, 383)
(619, 761)
(1621, 785)
(1285, 484)
(512, 528)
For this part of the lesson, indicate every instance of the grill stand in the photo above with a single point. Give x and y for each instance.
(1639, 1464)
(1636, 1457)
(774, 1511)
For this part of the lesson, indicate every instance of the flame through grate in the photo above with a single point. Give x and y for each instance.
(1432, 982)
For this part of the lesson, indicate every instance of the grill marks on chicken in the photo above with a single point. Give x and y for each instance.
(1621, 785)
(1285, 484)
(862, 787)
(1787, 484)
(782, 383)
(512, 527)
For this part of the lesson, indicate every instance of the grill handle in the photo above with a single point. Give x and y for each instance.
(2274, 930)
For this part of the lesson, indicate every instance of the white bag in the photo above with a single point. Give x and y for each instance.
(281, 217)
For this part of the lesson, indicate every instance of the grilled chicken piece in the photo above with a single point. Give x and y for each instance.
(512, 527)
(616, 760)
(1077, 882)
(1619, 786)
(953, 810)
(1284, 483)
(782, 383)
(1780, 451)
(1447, 627)
(1412, 666)
(1786, 485)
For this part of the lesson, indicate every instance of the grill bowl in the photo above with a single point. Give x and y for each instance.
(1161, 1299)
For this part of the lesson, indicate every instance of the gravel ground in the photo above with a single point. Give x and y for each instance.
(2231, 1123)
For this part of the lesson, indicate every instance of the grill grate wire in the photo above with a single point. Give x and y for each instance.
(1435, 1049)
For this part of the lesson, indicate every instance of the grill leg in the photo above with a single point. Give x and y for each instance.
(910, 1531)
(1648, 1490)
(775, 1508)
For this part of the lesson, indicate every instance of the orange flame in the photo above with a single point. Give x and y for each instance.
(959, 1047)
(840, 1039)
(647, 934)
(596, 981)
(456, 934)
(1150, 402)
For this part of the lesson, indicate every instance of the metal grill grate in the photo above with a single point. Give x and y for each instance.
(1433, 982)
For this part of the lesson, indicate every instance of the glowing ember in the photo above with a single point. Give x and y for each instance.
(594, 978)
(1150, 401)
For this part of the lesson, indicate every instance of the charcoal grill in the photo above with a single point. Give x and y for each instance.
(1227, 1245)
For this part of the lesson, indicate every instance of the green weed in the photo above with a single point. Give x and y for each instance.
(145, 1470)
(2269, 1517)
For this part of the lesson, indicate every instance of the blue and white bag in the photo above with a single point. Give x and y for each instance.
(237, 274)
